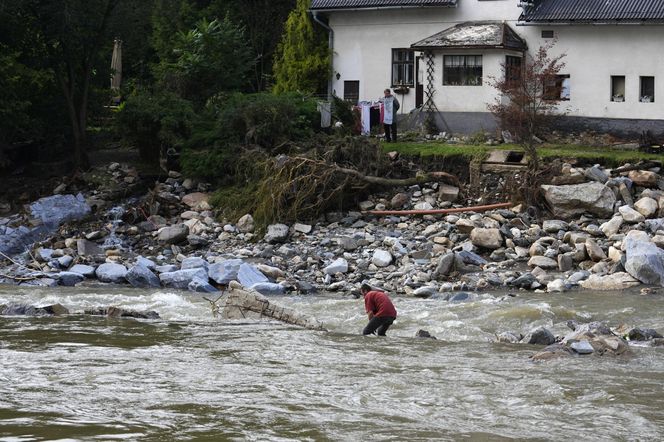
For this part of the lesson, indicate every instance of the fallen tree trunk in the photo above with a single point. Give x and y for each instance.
(396, 182)
(439, 211)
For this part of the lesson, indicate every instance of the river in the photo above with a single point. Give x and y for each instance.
(190, 376)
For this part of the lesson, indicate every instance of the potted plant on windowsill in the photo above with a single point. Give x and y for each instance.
(401, 89)
(618, 97)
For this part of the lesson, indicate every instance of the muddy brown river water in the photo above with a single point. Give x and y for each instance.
(189, 376)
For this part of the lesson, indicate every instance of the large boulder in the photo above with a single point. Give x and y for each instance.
(197, 201)
(57, 209)
(486, 238)
(142, 277)
(225, 271)
(113, 273)
(646, 206)
(246, 224)
(568, 201)
(644, 261)
(339, 265)
(643, 178)
(381, 258)
(276, 233)
(616, 281)
(248, 275)
(181, 278)
(174, 234)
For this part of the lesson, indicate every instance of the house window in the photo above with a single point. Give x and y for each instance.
(462, 70)
(617, 88)
(403, 67)
(557, 88)
(512, 69)
(352, 91)
(547, 34)
(647, 94)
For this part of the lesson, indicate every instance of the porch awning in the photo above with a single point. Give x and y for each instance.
(474, 35)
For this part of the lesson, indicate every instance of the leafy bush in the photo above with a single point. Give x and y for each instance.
(231, 124)
(154, 122)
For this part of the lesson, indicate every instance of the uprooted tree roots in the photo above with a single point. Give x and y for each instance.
(304, 186)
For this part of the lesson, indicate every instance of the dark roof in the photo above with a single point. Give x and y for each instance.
(369, 4)
(593, 11)
(475, 34)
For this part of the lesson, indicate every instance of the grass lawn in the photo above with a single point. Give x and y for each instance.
(606, 156)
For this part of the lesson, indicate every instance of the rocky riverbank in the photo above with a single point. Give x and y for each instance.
(605, 232)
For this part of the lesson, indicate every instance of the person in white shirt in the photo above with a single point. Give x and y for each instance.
(390, 107)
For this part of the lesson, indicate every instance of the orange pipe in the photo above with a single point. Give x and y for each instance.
(439, 211)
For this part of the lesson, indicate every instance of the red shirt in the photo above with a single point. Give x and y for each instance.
(379, 304)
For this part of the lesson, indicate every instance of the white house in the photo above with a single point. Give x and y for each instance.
(443, 53)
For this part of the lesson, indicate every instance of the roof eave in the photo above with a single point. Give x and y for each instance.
(377, 8)
(471, 47)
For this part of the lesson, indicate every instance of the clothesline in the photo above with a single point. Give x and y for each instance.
(365, 113)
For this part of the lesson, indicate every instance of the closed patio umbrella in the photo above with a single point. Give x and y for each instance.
(116, 66)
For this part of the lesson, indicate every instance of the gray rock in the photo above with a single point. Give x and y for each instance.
(173, 234)
(461, 297)
(194, 262)
(57, 209)
(44, 255)
(276, 233)
(612, 226)
(85, 270)
(568, 201)
(556, 286)
(525, 281)
(646, 206)
(486, 238)
(339, 265)
(540, 336)
(168, 268)
(445, 265)
(471, 258)
(65, 261)
(643, 334)
(424, 334)
(269, 288)
(70, 279)
(180, 279)
(246, 224)
(554, 225)
(88, 248)
(644, 261)
(142, 277)
(565, 262)
(594, 251)
(199, 285)
(248, 275)
(543, 262)
(596, 174)
(381, 258)
(448, 193)
(141, 261)
(616, 281)
(302, 228)
(630, 215)
(425, 292)
(399, 200)
(113, 273)
(582, 347)
(508, 337)
(225, 271)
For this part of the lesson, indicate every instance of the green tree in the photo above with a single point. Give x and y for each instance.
(71, 34)
(211, 58)
(302, 61)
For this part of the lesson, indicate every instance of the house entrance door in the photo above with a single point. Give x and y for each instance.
(419, 88)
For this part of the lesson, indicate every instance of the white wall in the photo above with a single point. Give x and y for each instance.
(364, 41)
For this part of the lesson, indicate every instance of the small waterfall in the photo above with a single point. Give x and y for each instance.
(115, 217)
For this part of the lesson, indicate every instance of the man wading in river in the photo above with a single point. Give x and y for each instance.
(380, 309)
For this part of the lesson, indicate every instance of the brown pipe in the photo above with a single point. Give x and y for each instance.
(439, 211)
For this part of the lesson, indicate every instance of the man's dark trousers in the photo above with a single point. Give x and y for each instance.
(378, 325)
(390, 131)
